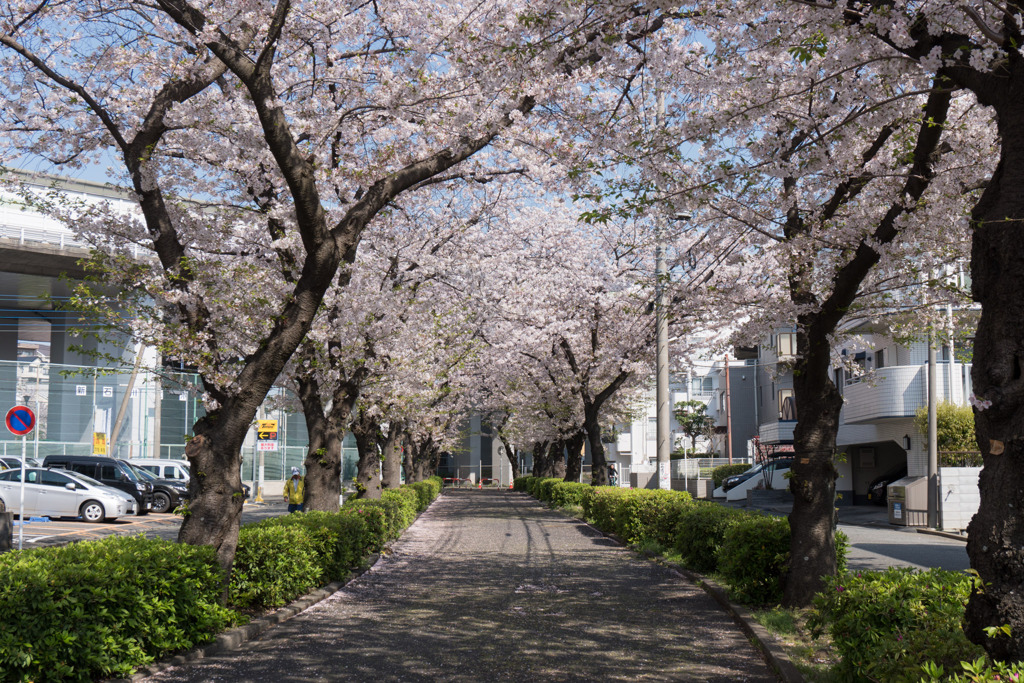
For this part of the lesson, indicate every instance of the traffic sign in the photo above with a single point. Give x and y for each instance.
(266, 430)
(20, 420)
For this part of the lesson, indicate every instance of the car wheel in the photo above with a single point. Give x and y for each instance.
(92, 511)
(161, 502)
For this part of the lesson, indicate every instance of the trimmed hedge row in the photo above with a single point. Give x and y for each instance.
(101, 609)
(749, 550)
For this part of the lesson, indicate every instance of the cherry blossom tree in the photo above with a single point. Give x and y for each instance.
(253, 133)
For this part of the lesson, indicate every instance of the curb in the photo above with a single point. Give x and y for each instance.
(758, 635)
(943, 534)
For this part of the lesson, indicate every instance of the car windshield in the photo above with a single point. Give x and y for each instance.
(129, 471)
(140, 473)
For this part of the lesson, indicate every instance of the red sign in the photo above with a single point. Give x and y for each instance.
(20, 420)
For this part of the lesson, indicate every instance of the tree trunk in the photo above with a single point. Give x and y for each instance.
(511, 455)
(540, 456)
(367, 435)
(812, 521)
(599, 466)
(323, 454)
(574, 463)
(392, 472)
(996, 533)
(215, 491)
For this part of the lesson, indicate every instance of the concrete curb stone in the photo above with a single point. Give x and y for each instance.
(758, 635)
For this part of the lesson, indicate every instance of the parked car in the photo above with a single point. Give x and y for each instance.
(59, 493)
(772, 466)
(171, 469)
(110, 472)
(164, 469)
(14, 461)
(167, 493)
(878, 489)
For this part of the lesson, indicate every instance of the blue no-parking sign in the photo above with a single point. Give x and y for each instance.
(20, 420)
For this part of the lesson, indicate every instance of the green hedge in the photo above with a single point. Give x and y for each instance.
(886, 625)
(273, 565)
(340, 540)
(100, 609)
(522, 484)
(567, 493)
(700, 532)
(649, 516)
(754, 557)
(408, 501)
(546, 488)
(600, 506)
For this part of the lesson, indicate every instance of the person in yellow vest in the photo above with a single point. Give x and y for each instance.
(295, 492)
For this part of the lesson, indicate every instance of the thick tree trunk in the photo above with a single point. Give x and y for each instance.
(391, 477)
(592, 425)
(574, 462)
(214, 511)
(367, 435)
(540, 456)
(812, 521)
(552, 461)
(323, 454)
(996, 533)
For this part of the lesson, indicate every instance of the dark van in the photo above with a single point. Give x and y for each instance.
(108, 471)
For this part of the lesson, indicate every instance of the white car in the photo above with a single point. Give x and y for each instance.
(59, 493)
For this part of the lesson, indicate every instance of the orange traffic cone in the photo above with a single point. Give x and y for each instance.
(480, 484)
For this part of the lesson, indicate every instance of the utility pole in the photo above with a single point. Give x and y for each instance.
(661, 320)
(728, 412)
(933, 446)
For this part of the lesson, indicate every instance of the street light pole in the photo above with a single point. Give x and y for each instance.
(661, 320)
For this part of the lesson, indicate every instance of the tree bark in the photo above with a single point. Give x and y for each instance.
(391, 477)
(540, 457)
(812, 520)
(510, 453)
(326, 433)
(592, 425)
(215, 487)
(367, 434)
(996, 533)
(574, 462)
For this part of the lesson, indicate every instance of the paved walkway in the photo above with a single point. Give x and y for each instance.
(490, 586)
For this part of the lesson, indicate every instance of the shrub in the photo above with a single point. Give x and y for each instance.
(600, 506)
(566, 493)
(99, 609)
(393, 513)
(375, 519)
(273, 565)
(754, 557)
(643, 516)
(408, 501)
(978, 671)
(886, 625)
(426, 492)
(545, 488)
(522, 484)
(339, 539)
(719, 473)
(699, 533)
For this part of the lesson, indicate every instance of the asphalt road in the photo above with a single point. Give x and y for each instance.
(491, 586)
(62, 531)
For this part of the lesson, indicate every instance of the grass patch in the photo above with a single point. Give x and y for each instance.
(813, 658)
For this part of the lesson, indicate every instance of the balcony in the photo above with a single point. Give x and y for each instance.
(777, 432)
(898, 391)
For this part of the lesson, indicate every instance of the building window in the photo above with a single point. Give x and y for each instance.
(786, 344)
(879, 359)
(787, 405)
(652, 429)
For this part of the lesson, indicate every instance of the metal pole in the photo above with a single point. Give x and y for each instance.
(21, 505)
(728, 411)
(933, 447)
(661, 319)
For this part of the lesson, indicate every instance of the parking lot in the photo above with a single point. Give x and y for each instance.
(61, 531)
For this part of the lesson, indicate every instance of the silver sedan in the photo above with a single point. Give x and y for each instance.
(59, 493)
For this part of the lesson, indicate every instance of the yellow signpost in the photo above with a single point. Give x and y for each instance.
(99, 443)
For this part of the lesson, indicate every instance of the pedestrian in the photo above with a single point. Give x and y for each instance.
(295, 492)
(613, 476)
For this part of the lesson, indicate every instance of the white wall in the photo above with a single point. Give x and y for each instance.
(958, 489)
